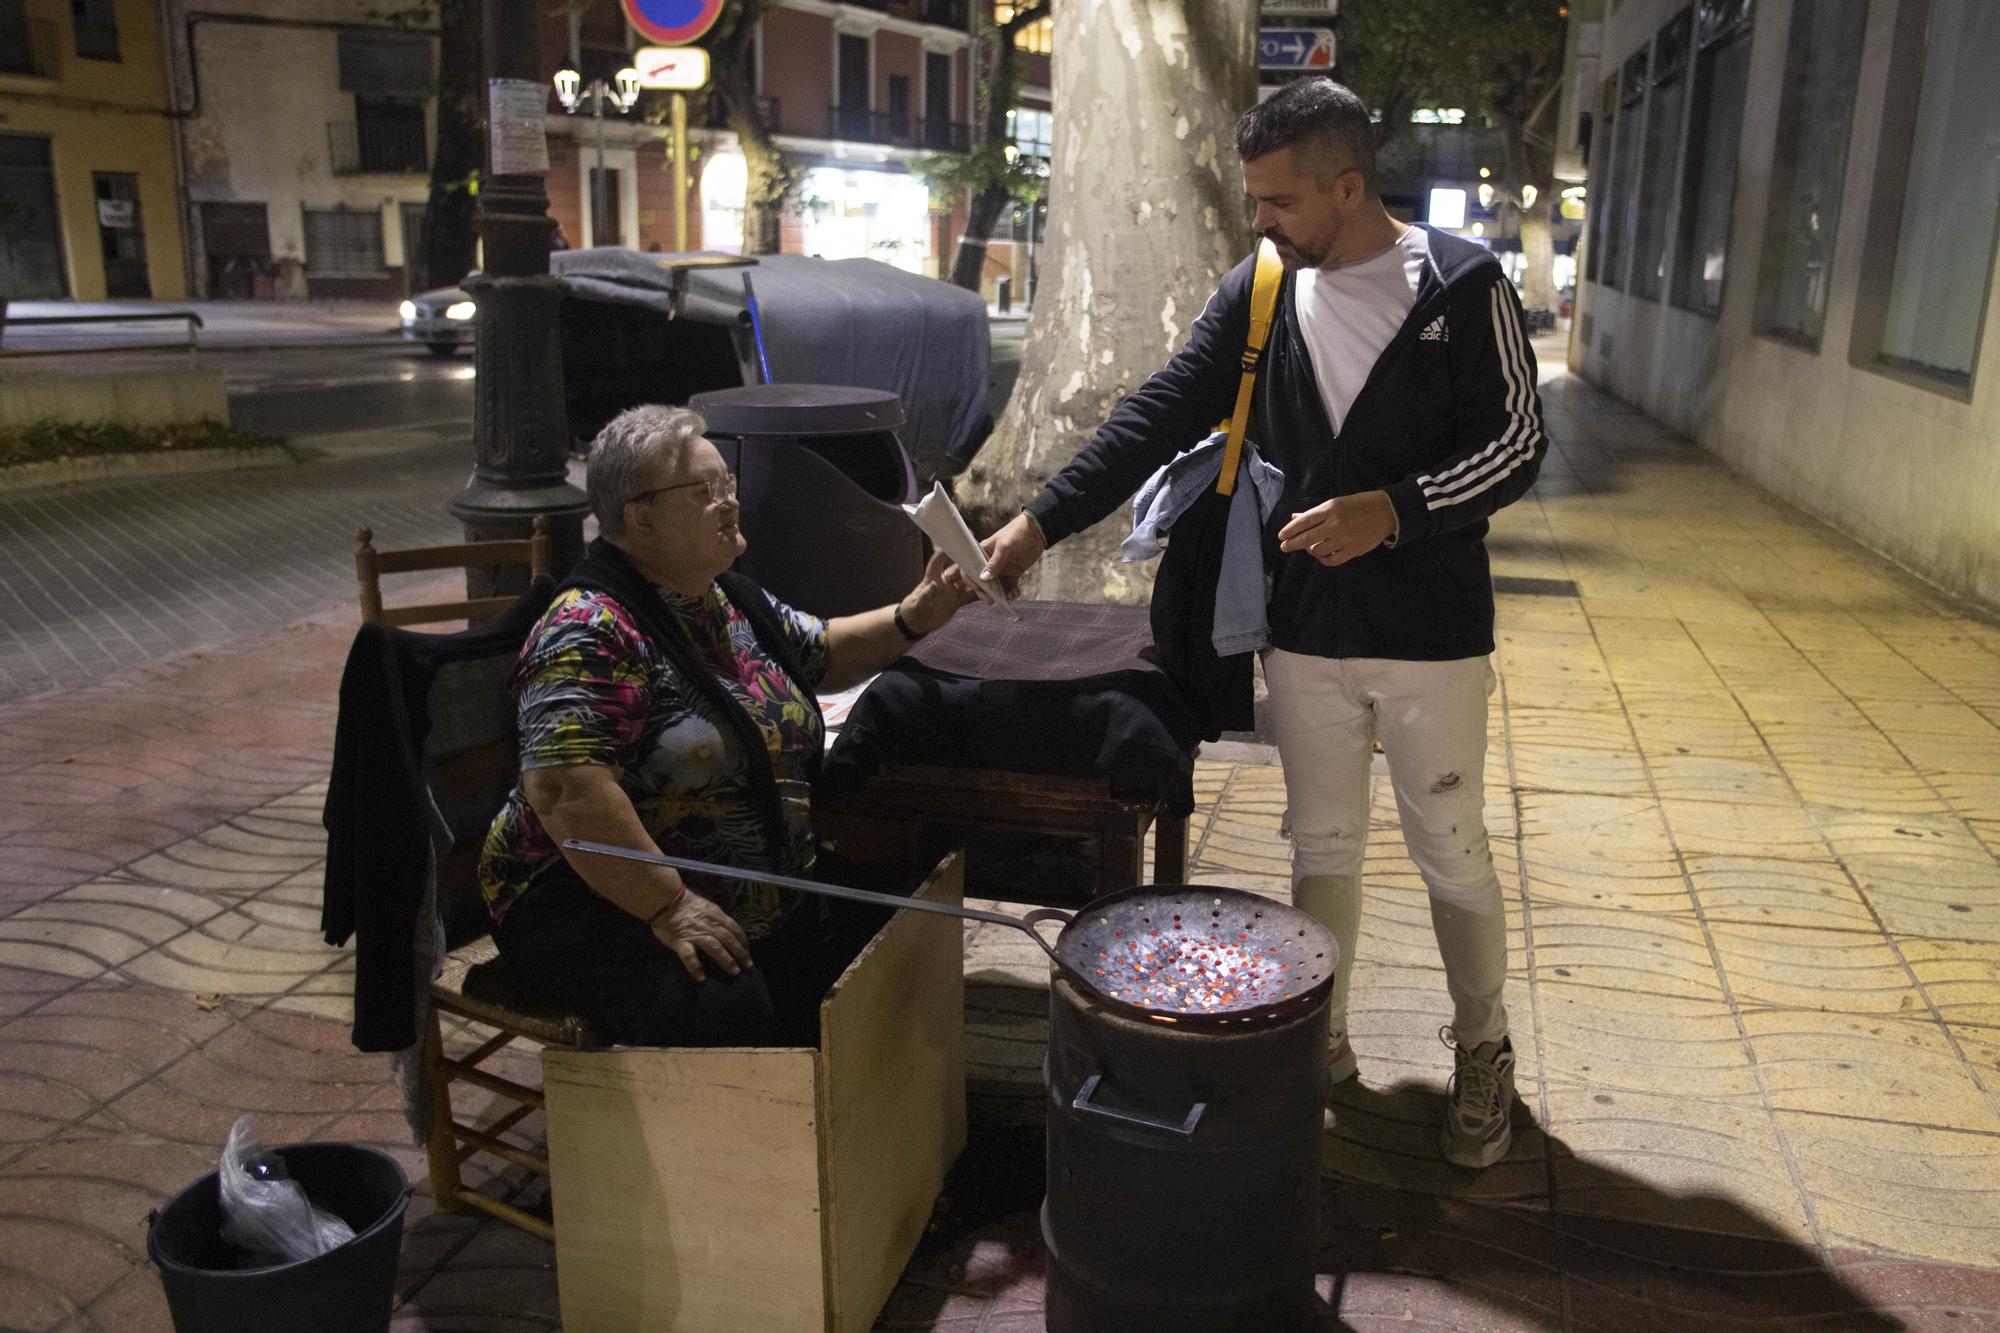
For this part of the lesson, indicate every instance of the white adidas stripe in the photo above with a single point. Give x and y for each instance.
(1444, 481)
(1516, 445)
(1490, 456)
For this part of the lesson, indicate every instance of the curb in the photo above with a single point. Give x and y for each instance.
(120, 467)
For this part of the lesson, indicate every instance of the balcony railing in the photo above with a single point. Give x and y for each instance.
(860, 125)
(383, 148)
(716, 115)
(945, 136)
(946, 13)
(30, 50)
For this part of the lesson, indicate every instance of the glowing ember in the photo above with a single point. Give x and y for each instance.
(1195, 975)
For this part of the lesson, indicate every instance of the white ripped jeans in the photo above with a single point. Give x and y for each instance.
(1326, 714)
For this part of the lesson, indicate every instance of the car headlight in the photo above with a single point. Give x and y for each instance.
(460, 310)
(408, 310)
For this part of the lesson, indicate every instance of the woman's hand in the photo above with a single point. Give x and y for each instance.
(937, 597)
(696, 926)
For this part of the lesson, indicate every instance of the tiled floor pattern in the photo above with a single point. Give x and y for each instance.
(1744, 795)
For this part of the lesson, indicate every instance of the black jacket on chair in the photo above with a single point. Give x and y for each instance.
(386, 823)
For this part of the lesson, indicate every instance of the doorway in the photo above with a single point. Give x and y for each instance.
(609, 229)
(31, 253)
(237, 240)
(121, 232)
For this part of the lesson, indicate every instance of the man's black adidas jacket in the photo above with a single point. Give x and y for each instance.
(1449, 423)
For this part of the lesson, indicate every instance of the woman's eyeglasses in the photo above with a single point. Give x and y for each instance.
(721, 490)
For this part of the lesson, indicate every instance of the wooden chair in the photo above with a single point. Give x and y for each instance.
(534, 551)
(470, 764)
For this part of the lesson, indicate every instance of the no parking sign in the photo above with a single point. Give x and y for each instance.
(672, 22)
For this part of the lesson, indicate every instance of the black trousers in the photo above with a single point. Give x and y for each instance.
(600, 962)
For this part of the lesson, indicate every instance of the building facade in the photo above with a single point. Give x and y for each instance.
(309, 123)
(306, 136)
(87, 191)
(1795, 205)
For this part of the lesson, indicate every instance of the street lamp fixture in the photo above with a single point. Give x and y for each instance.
(623, 94)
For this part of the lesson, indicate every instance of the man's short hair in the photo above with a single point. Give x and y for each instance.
(1324, 121)
(632, 451)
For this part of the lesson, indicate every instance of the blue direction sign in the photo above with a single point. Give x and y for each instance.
(1292, 48)
(672, 22)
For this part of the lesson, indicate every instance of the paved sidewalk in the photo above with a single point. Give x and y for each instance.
(1745, 793)
(224, 324)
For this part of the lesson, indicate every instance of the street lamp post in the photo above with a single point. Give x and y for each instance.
(520, 428)
(571, 92)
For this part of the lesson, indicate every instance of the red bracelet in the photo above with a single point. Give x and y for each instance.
(669, 907)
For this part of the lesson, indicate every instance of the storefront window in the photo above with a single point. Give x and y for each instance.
(1810, 169)
(1944, 245)
(1663, 137)
(1708, 191)
(866, 215)
(723, 182)
(1624, 169)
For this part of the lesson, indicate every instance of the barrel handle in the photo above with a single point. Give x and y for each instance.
(1185, 1129)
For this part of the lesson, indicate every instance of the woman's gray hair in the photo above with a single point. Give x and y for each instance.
(635, 446)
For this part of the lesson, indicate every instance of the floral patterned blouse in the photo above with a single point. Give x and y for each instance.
(593, 689)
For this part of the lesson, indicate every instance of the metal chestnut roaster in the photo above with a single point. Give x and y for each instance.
(1186, 1078)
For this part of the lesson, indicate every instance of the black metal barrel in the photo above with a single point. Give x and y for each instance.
(1183, 1189)
(822, 479)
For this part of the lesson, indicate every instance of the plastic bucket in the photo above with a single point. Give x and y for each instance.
(349, 1289)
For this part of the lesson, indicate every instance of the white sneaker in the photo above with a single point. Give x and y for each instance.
(1477, 1132)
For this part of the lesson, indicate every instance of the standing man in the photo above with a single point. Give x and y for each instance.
(1398, 397)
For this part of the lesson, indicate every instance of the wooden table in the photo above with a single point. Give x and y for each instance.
(888, 817)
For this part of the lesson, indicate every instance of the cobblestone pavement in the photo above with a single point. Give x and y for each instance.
(1745, 794)
(96, 580)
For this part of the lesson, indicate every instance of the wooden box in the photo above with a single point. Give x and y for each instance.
(768, 1189)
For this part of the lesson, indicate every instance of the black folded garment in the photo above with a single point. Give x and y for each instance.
(1070, 690)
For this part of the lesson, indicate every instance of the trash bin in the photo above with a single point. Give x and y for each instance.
(1003, 294)
(349, 1289)
(822, 479)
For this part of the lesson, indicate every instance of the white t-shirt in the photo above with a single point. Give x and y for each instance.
(1350, 313)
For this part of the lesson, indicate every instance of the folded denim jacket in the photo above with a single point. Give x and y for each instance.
(1242, 586)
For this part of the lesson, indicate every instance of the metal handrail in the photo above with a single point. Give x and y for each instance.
(193, 320)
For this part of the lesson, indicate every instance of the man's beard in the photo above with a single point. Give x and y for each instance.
(1298, 258)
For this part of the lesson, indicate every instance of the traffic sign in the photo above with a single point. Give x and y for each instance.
(672, 22)
(682, 69)
(1316, 8)
(1295, 48)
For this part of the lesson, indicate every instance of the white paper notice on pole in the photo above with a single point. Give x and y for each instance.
(517, 136)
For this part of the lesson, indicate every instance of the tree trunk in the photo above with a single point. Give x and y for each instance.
(768, 178)
(1146, 215)
(968, 262)
(1522, 163)
(449, 244)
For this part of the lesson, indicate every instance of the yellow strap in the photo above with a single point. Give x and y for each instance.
(1263, 305)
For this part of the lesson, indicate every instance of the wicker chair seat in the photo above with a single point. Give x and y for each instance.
(476, 983)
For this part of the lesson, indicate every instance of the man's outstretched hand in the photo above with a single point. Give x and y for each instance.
(1341, 529)
(1011, 553)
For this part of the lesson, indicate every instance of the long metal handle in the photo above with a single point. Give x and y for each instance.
(1184, 1129)
(1024, 924)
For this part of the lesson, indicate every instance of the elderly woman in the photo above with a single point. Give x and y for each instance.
(666, 704)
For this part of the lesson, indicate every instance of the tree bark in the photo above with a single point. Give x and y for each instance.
(1145, 216)
(1523, 163)
(769, 178)
(449, 244)
(968, 263)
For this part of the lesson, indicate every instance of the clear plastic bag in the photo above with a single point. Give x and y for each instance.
(265, 1213)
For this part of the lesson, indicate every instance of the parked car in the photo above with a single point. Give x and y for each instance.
(440, 319)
